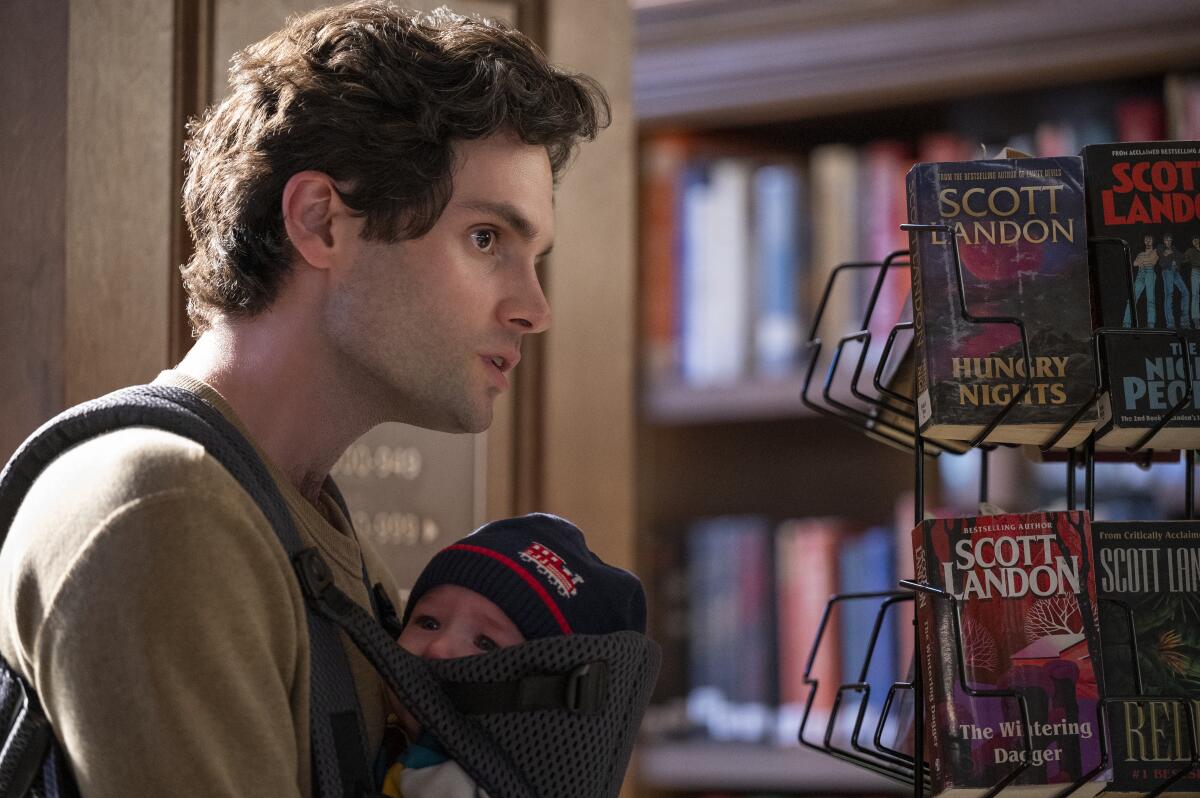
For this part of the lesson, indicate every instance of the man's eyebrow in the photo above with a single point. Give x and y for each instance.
(511, 216)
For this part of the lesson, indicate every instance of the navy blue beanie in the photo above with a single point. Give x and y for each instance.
(538, 569)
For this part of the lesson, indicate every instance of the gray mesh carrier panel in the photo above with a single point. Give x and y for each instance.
(542, 753)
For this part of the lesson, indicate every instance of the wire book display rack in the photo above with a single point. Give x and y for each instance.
(887, 415)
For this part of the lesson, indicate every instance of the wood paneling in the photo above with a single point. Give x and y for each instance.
(119, 202)
(589, 370)
(33, 163)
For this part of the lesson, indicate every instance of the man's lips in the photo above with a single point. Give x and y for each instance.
(504, 361)
(500, 365)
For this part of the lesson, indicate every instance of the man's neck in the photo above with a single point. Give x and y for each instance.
(278, 383)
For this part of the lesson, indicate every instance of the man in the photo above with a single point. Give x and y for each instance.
(368, 206)
(1191, 259)
(1169, 261)
(1143, 281)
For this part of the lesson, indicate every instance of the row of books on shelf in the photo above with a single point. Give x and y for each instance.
(738, 242)
(1044, 613)
(754, 596)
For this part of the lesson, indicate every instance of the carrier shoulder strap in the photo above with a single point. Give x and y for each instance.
(341, 765)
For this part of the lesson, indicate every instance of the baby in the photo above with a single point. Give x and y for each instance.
(510, 581)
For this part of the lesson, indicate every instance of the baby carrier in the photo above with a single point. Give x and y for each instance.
(544, 719)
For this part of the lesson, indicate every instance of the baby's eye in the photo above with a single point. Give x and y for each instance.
(485, 643)
(427, 622)
(484, 240)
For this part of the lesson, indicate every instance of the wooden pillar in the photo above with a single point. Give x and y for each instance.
(87, 156)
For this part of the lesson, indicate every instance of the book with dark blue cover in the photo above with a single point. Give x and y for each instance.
(1022, 243)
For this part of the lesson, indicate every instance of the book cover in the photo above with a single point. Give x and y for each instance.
(1026, 588)
(1147, 194)
(1149, 572)
(1022, 240)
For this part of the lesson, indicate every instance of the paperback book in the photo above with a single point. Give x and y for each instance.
(1147, 195)
(1026, 597)
(1149, 581)
(1021, 241)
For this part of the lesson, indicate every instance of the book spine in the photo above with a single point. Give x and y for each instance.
(916, 246)
(663, 162)
(929, 658)
(776, 234)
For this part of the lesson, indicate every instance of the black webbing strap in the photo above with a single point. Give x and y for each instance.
(341, 764)
(583, 690)
(28, 738)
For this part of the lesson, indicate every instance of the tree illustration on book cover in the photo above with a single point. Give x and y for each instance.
(1026, 591)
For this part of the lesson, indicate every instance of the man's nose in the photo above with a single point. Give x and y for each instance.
(527, 310)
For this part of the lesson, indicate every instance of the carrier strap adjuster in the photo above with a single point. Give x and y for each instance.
(316, 583)
(587, 686)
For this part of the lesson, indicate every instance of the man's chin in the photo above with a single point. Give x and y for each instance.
(471, 421)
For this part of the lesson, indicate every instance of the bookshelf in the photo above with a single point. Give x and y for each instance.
(787, 79)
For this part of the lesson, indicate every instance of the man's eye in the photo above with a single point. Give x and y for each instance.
(428, 623)
(485, 643)
(484, 239)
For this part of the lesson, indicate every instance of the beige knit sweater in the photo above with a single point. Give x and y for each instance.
(150, 604)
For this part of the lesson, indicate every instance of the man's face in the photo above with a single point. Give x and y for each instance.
(1167, 241)
(432, 327)
(1148, 241)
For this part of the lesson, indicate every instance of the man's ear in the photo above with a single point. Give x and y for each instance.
(316, 219)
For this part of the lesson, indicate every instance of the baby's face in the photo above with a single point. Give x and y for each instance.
(451, 621)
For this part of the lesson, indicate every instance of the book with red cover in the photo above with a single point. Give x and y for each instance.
(1026, 589)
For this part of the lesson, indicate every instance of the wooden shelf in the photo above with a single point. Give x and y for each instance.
(728, 62)
(758, 399)
(740, 766)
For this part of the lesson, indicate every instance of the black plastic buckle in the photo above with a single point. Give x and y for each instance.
(316, 583)
(313, 571)
(587, 687)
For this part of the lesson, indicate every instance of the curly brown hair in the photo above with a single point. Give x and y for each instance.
(375, 97)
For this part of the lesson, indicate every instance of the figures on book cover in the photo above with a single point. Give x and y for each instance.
(1143, 203)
